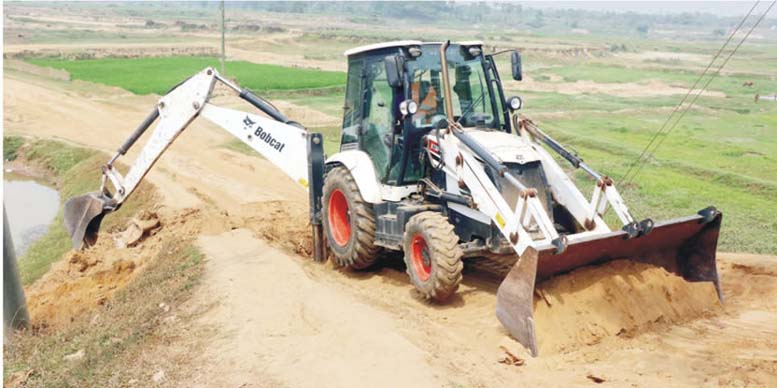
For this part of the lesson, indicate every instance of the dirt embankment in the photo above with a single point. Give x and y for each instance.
(83, 280)
(73, 53)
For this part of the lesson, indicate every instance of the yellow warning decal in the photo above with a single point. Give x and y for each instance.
(303, 182)
(500, 220)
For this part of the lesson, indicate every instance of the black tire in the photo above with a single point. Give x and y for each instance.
(349, 221)
(433, 255)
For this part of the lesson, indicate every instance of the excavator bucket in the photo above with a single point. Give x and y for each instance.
(684, 246)
(83, 215)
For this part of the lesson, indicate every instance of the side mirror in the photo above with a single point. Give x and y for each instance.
(515, 59)
(394, 69)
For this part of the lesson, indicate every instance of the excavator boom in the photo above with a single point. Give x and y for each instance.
(278, 139)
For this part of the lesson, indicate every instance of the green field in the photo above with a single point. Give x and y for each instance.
(158, 74)
(730, 84)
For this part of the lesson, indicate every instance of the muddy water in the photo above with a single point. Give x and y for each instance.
(31, 207)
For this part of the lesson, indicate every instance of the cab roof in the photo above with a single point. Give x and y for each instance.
(402, 43)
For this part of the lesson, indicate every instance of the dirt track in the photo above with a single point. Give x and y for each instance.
(281, 320)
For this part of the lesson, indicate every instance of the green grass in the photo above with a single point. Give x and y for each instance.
(11, 146)
(159, 74)
(725, 143)
(550, 102)
(56, 156)
(75, 171)
(663, 192)
(731, 85)
(616, 74)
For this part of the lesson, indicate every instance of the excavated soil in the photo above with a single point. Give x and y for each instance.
(85, 279)
(619, 298)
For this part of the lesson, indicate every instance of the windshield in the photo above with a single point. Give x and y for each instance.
(469, 88)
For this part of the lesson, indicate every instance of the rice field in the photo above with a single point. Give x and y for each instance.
(158, 74)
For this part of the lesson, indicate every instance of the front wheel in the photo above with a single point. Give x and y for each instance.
(433, 255)
(349, 221)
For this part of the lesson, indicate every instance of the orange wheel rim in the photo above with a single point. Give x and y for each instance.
(339, 219)
(422, 263)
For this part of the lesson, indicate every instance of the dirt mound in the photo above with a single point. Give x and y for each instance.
(26, 67)
(306, 115)
(144, 225)
(619, 298)
(79, 283)
(283, 224)
(88, 278)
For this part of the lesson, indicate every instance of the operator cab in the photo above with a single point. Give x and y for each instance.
(394, 96)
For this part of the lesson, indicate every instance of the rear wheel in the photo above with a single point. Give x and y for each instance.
(433, 255)
(349, 221)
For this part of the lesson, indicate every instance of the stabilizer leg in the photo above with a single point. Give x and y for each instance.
(315, 190)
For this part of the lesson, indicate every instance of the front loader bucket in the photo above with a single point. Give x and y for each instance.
(82, 216)
(685, 246)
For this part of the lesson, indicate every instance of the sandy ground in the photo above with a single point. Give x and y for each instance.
(278, 319)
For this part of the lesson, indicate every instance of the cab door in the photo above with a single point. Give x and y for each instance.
(377, 134)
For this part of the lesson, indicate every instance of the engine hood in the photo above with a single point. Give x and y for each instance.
(506, 147)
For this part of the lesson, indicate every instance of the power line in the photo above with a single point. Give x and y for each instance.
(712, 77)
(221, 6)
(692, 88)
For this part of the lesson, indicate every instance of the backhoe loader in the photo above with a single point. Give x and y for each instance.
(434, 162)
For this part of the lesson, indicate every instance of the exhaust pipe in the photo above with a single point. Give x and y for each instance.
(684, 246)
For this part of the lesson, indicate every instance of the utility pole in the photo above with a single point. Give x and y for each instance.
(222, 39)
(15, 314)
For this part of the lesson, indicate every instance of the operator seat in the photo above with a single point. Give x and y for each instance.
(424, 94)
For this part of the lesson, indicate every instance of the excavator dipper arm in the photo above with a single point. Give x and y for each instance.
(278, 139)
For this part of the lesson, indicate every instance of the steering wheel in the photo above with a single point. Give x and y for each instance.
(472, 119)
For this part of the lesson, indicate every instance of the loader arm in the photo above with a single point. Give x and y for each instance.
(278, 139)
(685, 246)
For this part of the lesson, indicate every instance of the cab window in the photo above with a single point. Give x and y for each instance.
(352, 110)
(377, 133)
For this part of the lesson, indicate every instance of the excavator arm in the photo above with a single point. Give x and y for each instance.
(278, 139)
